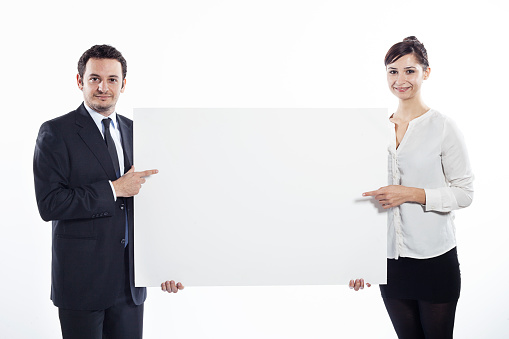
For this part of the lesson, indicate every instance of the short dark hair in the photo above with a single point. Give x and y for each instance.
(101, 52)
(409, 45)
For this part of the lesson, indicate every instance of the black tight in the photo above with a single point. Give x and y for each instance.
(414, 319)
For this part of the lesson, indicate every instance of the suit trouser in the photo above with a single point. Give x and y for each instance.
(123, 320)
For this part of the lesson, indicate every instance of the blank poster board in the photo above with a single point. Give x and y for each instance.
(249, 197)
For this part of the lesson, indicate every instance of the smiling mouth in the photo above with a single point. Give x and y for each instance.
(401, 89)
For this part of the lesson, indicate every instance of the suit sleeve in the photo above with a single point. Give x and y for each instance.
(57, 198)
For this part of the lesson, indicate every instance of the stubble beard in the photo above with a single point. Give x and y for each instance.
(102, 108)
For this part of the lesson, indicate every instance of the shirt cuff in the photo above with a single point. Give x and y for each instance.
(433, 199)
(113, 190)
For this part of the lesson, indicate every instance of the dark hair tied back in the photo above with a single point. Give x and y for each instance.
(411, 39)
(409, 45)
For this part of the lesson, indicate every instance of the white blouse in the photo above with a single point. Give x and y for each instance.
(432, 156)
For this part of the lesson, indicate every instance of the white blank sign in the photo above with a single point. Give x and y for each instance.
(252, 197)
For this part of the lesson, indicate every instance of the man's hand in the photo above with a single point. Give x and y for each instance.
(395, 195)
(171, 287)
(130, 183)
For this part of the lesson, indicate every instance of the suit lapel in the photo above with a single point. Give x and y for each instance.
(91, 136)
(126, 131)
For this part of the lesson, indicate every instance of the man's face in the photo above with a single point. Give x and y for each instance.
(102, 84)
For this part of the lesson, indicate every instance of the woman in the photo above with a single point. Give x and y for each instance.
(429, 177)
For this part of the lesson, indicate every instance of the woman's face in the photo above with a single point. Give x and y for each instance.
(405, 77)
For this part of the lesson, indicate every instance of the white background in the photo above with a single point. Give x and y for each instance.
(257, 54)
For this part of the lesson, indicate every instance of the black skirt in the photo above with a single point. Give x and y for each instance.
(435, 280)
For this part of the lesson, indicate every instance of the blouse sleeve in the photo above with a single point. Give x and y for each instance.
(458, 174)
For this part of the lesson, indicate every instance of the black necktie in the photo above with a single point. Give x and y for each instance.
(114, 157)
(111, 145)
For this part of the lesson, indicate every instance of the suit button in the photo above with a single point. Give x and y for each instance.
(122, 241)
(105, 213)
(122, 207)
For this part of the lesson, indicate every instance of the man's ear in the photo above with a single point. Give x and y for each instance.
(122, 89)
(80, 82)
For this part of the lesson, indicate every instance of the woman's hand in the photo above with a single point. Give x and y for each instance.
(395, 195)
(358, 284)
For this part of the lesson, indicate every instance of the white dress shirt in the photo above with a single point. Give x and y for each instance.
(432, 156)
(115, 135)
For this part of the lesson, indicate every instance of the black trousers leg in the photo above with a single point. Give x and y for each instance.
(81, 324)
(123, 320)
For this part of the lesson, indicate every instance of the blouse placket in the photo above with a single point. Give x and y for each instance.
(396, 180)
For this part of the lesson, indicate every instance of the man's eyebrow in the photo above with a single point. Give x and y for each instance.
(97, 75)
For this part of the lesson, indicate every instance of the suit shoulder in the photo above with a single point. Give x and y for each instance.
(63, 119)
(62, 125)
(126, 120)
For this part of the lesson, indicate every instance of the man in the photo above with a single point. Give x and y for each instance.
(85, 183)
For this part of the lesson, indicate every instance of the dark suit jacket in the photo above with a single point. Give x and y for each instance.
(72, 167)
